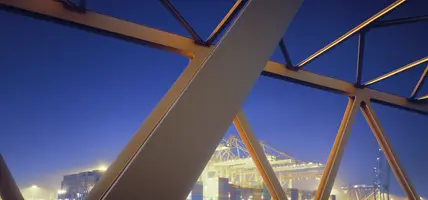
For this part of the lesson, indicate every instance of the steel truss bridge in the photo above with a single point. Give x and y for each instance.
(223, 73)
(232, 160)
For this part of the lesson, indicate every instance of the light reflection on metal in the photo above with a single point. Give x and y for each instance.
(306, 78)
(397, 71)
(109, 26)
(131, 32)
(259, 157)
(350, 33)
(225, 21)
(419, 84)
(336, 154)
(171, 126)
(423, 97)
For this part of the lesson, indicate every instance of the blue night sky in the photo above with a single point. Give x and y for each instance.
(72, 99)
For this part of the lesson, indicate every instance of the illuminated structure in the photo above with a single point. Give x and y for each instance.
(223, 74)
(77, 186)
(232, 160)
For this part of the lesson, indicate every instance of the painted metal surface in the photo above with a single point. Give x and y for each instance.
(336, 154)
(186, 110)
(197, 110)
(259, 157)
(397, 71)
(131, 32)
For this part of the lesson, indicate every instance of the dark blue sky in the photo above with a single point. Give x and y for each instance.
(71, 99)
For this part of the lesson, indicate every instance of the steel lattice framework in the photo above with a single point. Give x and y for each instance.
(211, 78)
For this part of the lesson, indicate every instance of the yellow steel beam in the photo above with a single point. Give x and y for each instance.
(423, 97)
(259, 157)
(420, 83)
(223, 22)
(397, 71)
(350, 33)
(336, 154)
(53, 10)
(187, 125)
(277, 70)
(390, 155)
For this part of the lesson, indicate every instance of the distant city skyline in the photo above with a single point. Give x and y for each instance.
(74, 99)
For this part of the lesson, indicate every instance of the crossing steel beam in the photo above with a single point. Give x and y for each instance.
(360, 100)
(187, 110)
(259, 157)
(336, 154)
(390, 155)
(197, 110)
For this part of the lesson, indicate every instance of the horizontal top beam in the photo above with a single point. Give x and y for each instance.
(128, 31)
(102, 24)
(277, 70)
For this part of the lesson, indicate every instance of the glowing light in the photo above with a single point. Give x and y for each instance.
(34, 186)
(102, 168)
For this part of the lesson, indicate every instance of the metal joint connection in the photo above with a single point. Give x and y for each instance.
(70, 5)
(183, 22)
(239, 4)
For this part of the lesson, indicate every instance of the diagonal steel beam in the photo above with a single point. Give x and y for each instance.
(423, 97)
(350, 33)
(8, 188)
(397, 71)
(225, 21)
(336, 154)
(175, 142)
(259, 157)
(419, 84)
(390, 155)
